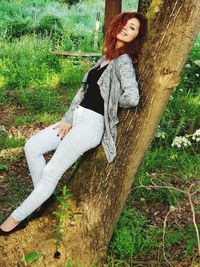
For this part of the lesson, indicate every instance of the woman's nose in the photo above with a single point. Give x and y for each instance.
(124, 28)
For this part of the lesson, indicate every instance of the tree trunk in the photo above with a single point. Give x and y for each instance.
(101, 189)
(112, 7)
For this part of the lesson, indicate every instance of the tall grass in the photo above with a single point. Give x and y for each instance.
(27, 62)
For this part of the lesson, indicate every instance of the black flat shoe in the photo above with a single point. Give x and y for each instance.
(20, 226)
(44, 206)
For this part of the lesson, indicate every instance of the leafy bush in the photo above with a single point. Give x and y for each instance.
(69, 2)
(17, 27)
(52, 26)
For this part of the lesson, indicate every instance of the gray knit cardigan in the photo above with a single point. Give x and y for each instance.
(118, 87)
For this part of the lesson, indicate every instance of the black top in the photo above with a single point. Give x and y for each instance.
(93, 99)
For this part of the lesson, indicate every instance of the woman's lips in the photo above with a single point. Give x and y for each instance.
(123, 33)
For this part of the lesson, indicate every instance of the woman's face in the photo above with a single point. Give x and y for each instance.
(128, 33)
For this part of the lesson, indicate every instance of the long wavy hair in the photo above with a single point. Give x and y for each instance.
(134, 47)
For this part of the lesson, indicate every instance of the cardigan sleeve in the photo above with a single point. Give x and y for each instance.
(129, 84)
(68, 117)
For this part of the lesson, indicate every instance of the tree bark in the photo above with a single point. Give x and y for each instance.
(101, 189)
(112, 7)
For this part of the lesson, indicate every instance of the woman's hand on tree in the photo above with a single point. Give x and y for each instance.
(64, 128)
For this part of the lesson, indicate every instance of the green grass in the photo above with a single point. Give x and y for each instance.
(27, 63)
(44, 118)
(9, 142)
(133, 235)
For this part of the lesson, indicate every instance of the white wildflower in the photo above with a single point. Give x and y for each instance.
(181, 90)
(172, 208)
(180, 141)
(161, 134)
(188, 65)
(196, 135)
(2, 128)
(171, 97)
(197, 74)
(197, 62)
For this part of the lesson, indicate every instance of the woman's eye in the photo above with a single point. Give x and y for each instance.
(132, 28)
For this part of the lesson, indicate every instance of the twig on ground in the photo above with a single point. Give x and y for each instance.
(189, 195)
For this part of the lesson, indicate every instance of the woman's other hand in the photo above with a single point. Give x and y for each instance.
(64, 128)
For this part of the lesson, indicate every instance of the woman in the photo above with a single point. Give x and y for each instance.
(91, 118)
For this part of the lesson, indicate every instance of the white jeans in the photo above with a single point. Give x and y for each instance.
(85, 134)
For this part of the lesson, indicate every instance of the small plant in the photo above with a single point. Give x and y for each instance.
(31, 257)
(61, 214)
(68, 263)
(133, 235)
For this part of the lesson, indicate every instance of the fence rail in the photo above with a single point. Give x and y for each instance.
(77, 54)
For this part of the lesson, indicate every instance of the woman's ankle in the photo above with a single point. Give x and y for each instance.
(38, 209)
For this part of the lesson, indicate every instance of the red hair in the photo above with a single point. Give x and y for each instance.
(134, 47)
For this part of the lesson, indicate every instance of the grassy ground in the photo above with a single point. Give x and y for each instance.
(157, 224)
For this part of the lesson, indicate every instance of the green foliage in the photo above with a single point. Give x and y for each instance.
(38, 100)
(9, 142)
(190, 76)
(70, 29)
(133, 235)
(69, 2)
(163, 196)
(27, 62)
(68, 263)
(17, 27)
(44, 118)
(3, 167)
(52, 26)
(182, 113)
(3, 96)
(32, 256)
(184, 163)
(185, 235)
(61, 214)
(72, 73)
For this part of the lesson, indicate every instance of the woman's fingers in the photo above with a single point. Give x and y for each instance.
(63, 129)
(62, 132)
